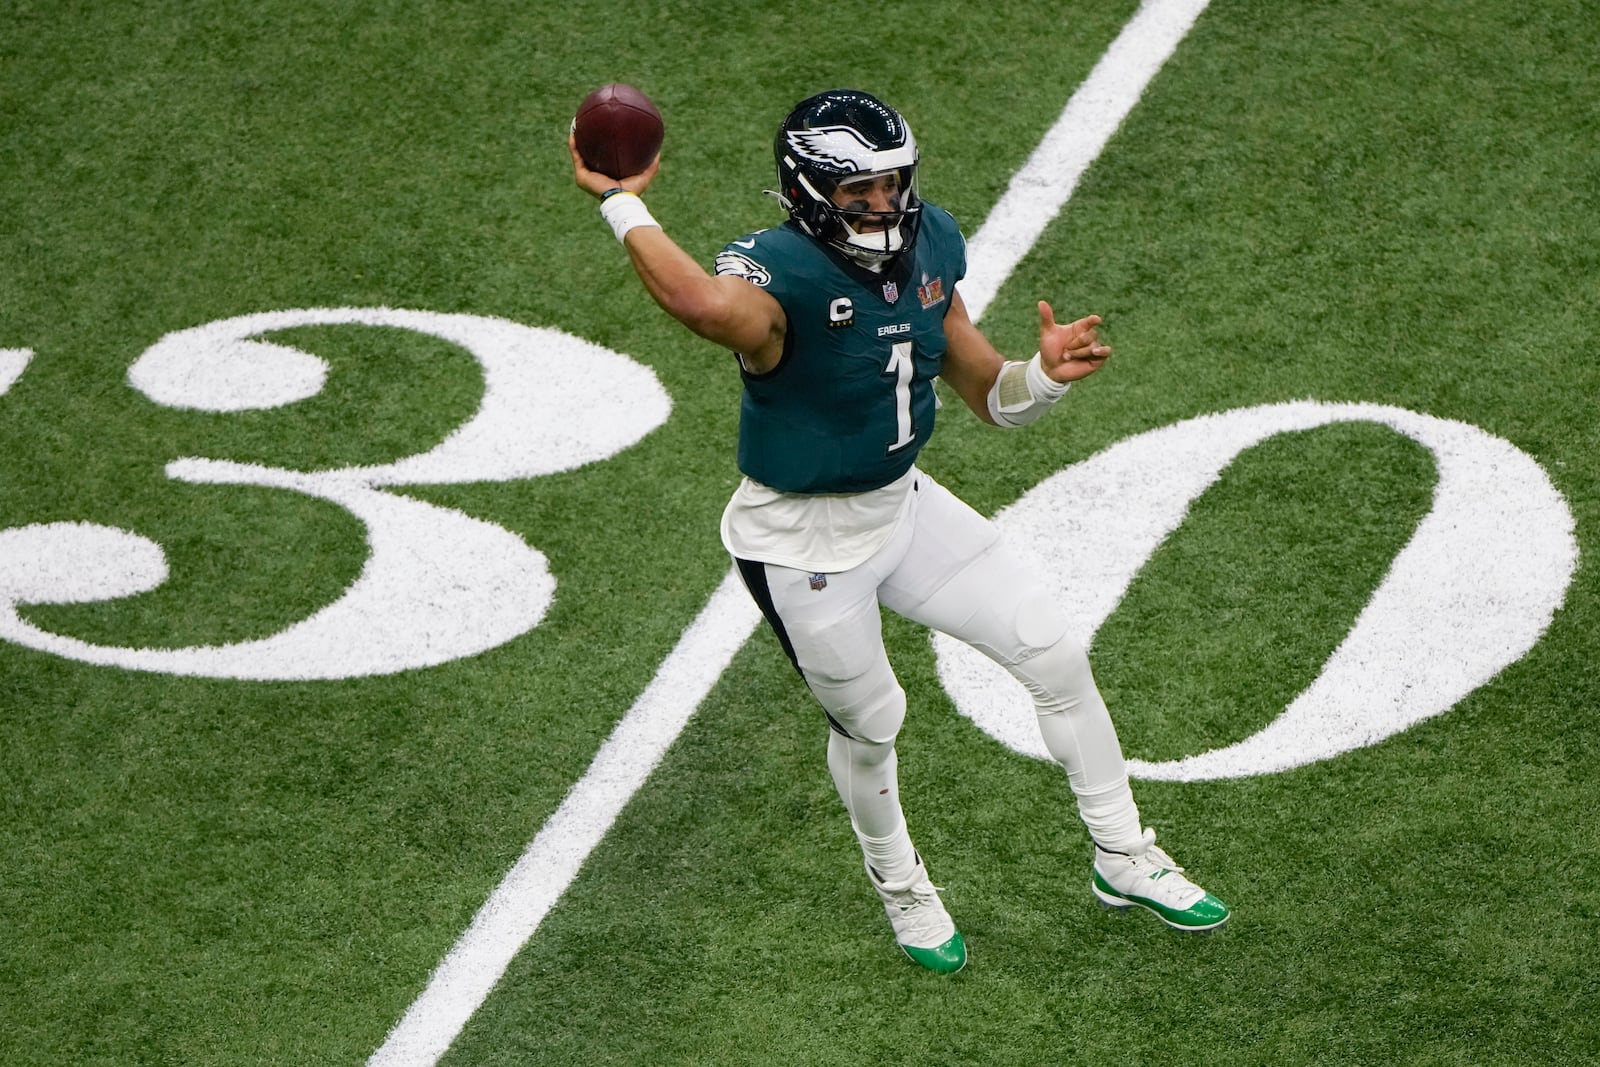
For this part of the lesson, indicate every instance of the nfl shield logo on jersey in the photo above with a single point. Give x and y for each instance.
(891, 292)
(819, 582)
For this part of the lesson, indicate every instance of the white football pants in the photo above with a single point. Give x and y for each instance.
(947, 568)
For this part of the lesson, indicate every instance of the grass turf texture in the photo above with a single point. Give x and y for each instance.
(1391, 202)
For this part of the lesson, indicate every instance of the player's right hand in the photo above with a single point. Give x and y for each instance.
(596, 184)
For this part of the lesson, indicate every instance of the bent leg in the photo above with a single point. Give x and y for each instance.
(979, 593)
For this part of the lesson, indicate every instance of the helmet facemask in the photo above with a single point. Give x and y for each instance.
(872, 237)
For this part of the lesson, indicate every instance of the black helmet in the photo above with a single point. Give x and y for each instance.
(832, 138)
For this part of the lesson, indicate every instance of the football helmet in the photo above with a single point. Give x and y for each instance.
(837, 138)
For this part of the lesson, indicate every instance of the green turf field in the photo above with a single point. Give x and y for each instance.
(258, 856)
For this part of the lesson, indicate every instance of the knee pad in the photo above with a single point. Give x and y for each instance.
(1040, 626)
(1014, 635)
(1058, 677)
(868, 707)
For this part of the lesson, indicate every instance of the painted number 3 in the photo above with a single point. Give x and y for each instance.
(438, 584)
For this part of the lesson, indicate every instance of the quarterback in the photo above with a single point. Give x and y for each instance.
(840, 319)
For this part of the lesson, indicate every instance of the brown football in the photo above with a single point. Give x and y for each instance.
(618, 130)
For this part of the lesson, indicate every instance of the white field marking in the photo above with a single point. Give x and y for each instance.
(552, 860)
(1040, 189)
(438, 585)
(522, 899)
(534, 378)
(13, 361)
(1433, 631)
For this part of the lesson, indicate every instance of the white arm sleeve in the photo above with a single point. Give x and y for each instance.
(1022, 392)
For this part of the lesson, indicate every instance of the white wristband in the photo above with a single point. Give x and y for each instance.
(1021, 393)
(624, 211)
(1043, 387)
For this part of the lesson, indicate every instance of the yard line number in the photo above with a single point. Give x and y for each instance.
(438, 585)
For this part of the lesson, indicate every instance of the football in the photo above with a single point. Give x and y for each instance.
(618, 130)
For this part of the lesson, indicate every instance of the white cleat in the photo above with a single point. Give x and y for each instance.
(1149, 878)
(923, 929)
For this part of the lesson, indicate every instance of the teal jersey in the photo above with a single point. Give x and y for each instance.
(851, 403)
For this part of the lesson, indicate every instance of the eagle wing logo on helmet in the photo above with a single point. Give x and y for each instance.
(834, 146)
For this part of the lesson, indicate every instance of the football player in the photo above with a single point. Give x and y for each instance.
(841, 318)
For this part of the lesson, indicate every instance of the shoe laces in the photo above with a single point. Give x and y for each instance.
(1156, 871)
(919, 892)
(915, 910)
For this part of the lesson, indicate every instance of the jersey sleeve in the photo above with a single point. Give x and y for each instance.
(744, 259)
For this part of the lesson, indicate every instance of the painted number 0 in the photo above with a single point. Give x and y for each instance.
(1432, 632)
(438, 584)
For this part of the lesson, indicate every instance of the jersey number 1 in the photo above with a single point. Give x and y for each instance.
(900, 367)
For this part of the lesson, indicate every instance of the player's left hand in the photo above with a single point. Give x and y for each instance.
(1071, 351)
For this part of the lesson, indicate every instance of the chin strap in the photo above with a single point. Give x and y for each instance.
(868, 261)
(1022, 392)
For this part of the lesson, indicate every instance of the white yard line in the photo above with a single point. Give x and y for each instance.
(552, 860)
(13, 361)
(1039, 190)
